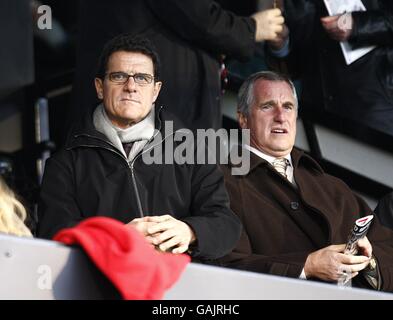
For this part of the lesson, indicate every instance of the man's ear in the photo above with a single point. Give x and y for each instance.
(99, 88)
(157, 88)
(242, 119)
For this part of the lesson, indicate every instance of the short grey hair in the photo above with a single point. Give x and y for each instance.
(245, 97)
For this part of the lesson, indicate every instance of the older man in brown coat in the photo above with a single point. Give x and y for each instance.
(296, 217)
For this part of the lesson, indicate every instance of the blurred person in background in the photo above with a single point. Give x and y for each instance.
(309, 48)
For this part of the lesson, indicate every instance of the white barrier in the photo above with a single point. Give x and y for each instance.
(40, 269)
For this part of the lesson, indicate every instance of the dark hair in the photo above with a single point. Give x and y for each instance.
(245, 95)
(129, 43)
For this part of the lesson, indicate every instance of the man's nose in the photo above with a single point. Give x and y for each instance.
(130, 85)
(279, 114)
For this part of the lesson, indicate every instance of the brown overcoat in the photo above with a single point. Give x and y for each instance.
(283, 223)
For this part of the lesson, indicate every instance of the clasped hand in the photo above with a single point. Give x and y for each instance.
(165, 232)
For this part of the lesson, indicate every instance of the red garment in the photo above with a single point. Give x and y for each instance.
(125, 257)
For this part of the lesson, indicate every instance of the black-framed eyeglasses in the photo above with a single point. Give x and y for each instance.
(123, 77)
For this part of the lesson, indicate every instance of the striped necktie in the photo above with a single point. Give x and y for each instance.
(280, 164)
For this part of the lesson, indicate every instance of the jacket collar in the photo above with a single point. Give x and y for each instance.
(85, 134)
(299, 158)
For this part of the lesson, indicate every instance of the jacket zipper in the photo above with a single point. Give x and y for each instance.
(138, 199)
(129, 165)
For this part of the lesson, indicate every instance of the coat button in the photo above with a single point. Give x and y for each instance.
(294, 205)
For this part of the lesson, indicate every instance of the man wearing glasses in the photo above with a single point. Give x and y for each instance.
(191, 36)
(101, 171)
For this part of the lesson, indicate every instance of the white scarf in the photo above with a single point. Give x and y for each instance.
(140, 133)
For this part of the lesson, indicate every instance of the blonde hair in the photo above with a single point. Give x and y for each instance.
(12, 213)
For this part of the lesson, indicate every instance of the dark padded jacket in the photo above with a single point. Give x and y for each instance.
(90, 177)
